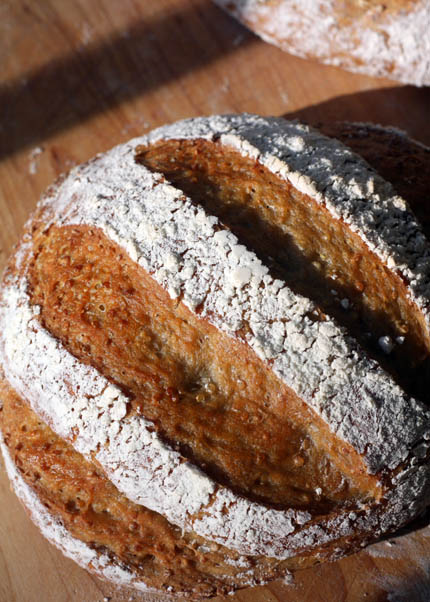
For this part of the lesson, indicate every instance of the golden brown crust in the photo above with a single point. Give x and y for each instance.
(76, 493)
(237, 420)
(106, 325)
(348, 10)
(91, 508)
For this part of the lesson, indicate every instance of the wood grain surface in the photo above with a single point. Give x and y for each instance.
(78, 77)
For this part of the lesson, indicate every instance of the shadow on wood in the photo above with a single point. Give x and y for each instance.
(404, 107)
(97, 77)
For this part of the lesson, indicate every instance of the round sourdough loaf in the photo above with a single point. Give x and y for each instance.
(214, 346)
(384, 39)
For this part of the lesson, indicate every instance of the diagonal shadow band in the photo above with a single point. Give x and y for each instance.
(91, 79)
(404, 107)
(96, 77)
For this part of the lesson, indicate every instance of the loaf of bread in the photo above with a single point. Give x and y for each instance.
(214, 346)
(383, 39)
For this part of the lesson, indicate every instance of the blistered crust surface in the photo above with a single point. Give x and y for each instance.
(393, 44)
(54, 532)
(195, 259)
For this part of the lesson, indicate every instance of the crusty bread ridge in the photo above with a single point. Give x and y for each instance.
(396, 157)
(207, 271)
(382, 39)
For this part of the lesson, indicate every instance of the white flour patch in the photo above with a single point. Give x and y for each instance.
(34, 156)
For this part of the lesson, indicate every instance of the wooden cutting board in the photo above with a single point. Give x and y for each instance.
(78, 77)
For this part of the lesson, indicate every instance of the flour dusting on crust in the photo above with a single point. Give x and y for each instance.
(193, 257)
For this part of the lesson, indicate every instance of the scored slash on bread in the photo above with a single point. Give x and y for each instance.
(202, 385)
(383, 39)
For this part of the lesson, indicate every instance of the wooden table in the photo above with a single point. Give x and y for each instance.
(78, 77)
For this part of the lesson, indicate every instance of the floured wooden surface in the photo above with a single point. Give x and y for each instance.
(78, 78)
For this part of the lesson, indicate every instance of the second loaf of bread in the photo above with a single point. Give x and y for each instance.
(383, 39)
